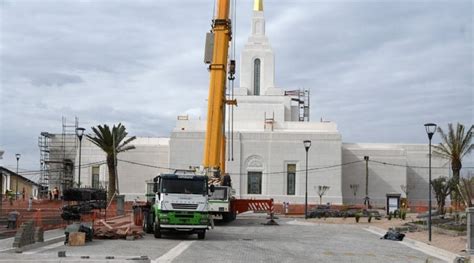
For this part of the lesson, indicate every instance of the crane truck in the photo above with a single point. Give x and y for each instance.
(181, 199)
(180, 204)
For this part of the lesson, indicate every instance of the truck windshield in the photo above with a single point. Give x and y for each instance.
(219, 194)
(183, 186)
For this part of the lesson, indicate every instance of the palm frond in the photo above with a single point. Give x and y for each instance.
(110, 140)
(124, 146)
(466, 143)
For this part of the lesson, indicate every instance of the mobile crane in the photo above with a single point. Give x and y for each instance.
(218, 41)
(181, 199)
(220, 203)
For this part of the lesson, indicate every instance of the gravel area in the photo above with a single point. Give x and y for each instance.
(446, 242)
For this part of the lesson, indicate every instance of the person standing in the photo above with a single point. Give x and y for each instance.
(13, 219)
(56, 193)
(30, 203)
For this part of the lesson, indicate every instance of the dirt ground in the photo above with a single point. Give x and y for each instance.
(446, 242)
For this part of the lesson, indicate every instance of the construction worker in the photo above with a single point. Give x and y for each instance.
(13, 219)
(30, 203)
(56, 193)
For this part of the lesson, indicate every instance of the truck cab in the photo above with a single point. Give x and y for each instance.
(180, 204)
(220, 203)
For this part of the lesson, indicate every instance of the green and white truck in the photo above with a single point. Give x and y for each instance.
(180, 204)
(220, 203)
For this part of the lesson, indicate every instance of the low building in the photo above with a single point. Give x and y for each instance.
(15, 183)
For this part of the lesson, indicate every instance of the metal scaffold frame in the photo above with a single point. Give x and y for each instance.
(302, 98)
(57, 157)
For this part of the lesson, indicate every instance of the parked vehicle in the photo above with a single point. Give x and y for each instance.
(180, 204)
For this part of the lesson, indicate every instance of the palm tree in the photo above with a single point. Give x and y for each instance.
(442, 187)
(454, 146)
(111, 142)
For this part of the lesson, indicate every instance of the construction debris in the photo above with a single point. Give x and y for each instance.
(121, 227)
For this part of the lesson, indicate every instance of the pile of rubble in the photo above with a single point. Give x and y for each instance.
(122, 227)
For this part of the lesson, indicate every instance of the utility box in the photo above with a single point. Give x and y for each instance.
(209, 48)
(393, 202)
(77, 239)
(120, 204)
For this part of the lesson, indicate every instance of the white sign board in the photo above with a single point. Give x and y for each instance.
(392, 204)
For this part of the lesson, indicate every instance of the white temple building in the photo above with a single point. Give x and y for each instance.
(269, 159)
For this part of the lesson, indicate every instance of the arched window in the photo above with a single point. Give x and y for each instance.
(256, 77)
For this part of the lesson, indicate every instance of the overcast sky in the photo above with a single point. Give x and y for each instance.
(379, 69)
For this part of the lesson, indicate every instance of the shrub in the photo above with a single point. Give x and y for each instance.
(390, 216)
(357, 217)
(403, 214)
(396, 213)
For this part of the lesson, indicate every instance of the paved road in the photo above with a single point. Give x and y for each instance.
(247, 240)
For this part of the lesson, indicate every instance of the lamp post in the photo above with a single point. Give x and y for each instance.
(430, 130)
(79, 133)
(307, 145)
(367, 199)
(17, 175)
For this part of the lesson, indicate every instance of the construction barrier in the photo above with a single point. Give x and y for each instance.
(255, 205)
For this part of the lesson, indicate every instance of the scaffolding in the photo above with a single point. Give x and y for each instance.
(57, 157)
(302, 98)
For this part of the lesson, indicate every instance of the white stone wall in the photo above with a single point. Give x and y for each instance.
(256, 108)
(149, 155)
(398, 170)
(270, 152)
(417, 178)
(382, 179)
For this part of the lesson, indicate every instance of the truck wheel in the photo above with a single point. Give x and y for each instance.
(157, 229)
(202, 235)
(148, 223)
(226, 217)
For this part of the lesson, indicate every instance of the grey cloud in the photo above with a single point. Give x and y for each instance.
(55, 79)
(379, 69)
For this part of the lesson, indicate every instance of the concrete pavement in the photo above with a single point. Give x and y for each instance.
(248, 240)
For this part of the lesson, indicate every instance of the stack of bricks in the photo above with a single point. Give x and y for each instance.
(25, 235)
(39, 234)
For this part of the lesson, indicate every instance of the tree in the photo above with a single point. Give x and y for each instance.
(454, 146)
(407, 190)
(111, 142)
(354, 188)
(466, 190)
(442, 187)
(322, 189)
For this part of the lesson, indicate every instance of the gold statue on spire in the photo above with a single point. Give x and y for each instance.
(258, 5)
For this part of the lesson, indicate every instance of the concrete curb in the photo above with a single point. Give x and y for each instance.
(35, 245)
(418, 245)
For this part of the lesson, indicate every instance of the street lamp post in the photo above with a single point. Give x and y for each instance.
(307, 145)
(430, 130)
(367, 199)
(79, 133)
(17, 175)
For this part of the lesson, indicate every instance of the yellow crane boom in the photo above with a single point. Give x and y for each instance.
(214, 145)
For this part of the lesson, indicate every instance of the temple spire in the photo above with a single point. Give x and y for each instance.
(258, 5)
